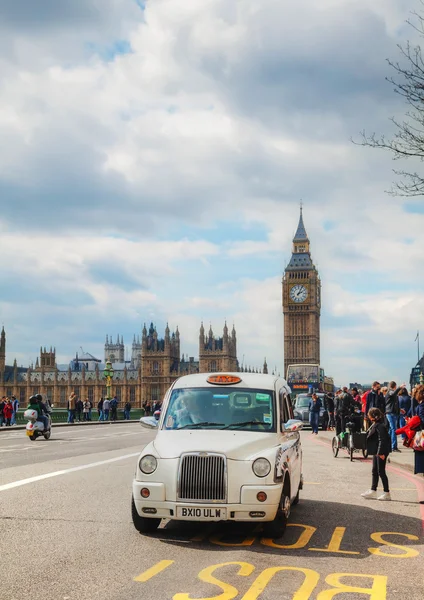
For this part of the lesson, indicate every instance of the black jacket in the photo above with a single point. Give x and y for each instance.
(392, 402)
(378, 439)
(344, 403)
(375, 400)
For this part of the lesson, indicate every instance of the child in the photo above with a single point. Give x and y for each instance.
(378, 445)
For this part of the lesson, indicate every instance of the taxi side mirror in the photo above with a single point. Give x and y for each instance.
(149, 422)
(292, 426)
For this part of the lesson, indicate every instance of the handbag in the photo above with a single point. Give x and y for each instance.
(418, 442)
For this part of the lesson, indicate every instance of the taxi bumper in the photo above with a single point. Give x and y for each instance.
(249, 508)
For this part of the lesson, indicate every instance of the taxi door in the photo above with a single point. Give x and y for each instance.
(291, 441)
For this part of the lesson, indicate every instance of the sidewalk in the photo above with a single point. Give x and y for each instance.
(78, 424)
(403, 459)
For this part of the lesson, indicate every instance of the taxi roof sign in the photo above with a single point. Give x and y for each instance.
(223, 379)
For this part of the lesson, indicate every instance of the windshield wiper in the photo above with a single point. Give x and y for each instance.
(245, 423)
(204, 424)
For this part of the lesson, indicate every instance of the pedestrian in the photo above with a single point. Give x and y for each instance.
(404, 407)
(8, 412)
(364, 409)
(330, 407)
(419, 412)
(127, 410)
(100, 409)
(343, 408)
(90, 410)
(71, 407)
(315, 406)
(114, 409)
(375, 399)
(15, 404)
(106, 409)
(79, 406)
(86, 409)
(379, 446)
(2, 405)
(393, 412)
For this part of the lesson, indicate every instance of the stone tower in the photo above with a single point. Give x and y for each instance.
(301, 304)
(47, 359)
(160, 359)
(217, 354)
(115, 352)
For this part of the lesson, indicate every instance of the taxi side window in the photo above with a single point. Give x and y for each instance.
(290, 406)
(284, 412)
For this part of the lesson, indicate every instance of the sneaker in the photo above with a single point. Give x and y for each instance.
(385, 496)
(371, 494)
(396, 450)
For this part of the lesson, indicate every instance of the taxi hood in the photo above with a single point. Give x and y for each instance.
(236, 445)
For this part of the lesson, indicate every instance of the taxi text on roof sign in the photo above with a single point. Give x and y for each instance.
(223, 379)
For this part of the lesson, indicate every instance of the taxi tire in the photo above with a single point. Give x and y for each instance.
(296, 498)
(276, 528)
(143, 524)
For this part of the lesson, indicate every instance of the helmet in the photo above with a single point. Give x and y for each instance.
(39, 397)
(156, 414)
(32, 399)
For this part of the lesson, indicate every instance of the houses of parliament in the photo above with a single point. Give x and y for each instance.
(156, 362)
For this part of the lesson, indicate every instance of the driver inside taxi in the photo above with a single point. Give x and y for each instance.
(192, 411)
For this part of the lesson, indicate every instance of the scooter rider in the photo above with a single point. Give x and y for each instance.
(36, 403)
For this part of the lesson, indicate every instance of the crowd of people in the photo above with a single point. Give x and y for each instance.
(151, 407)
(107, 410)
(384, 413)
(8, 410)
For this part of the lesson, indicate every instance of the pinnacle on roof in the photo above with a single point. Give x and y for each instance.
(301, 235)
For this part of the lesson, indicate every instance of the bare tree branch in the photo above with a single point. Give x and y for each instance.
(408, 139)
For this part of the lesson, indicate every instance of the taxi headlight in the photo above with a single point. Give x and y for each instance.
(261, 467)
(148, 464)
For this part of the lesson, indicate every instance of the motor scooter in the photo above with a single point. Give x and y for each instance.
(35, 428)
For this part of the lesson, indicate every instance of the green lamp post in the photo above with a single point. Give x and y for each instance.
(108, 376)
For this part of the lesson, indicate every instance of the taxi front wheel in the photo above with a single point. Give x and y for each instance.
(142, 524)
(276, 528)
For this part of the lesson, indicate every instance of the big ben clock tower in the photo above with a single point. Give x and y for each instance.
(301, 304)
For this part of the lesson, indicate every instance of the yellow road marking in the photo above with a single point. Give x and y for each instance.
(335, 543)
(312, 483)
(158, 568)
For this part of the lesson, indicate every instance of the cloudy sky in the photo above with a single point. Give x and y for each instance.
(152, 159)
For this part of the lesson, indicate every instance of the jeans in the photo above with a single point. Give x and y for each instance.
(86, 416)
(2, 419)
(402, 423)
(379, 471)
(127, 415)
(71, 416)
(44, 420)
(393, 423)
(13, 422)
(340, 423)
(100, 415)
(314, 421)
(106, 414)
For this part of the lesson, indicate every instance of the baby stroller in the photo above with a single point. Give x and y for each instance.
(352, 439)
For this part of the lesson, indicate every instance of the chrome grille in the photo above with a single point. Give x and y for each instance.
(202, 477)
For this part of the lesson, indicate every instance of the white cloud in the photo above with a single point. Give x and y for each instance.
(113, 172)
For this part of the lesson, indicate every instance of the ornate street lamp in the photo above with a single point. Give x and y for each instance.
(108, 376)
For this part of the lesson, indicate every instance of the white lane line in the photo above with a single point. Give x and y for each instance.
(14, 484)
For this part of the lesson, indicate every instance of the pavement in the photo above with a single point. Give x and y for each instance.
(5, 429)
(66, 514)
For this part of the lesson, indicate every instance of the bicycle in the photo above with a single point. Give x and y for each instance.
(350, 440)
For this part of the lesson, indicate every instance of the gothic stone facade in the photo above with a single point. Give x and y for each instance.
(301, 304)
(155, 364)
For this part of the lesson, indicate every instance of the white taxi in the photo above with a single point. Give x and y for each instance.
(227, 449)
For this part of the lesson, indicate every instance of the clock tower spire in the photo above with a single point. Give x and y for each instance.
(301, 303)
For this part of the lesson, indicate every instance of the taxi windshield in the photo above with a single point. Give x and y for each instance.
(221, 408)
(303, 401)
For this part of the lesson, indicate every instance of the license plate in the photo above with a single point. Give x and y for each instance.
(29, 432)
(201, 514)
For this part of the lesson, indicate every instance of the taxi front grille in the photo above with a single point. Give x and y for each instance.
(202, 477)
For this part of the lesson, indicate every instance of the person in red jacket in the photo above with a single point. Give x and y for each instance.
(8, 412)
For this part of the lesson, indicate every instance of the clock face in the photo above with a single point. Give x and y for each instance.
(298, 293)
